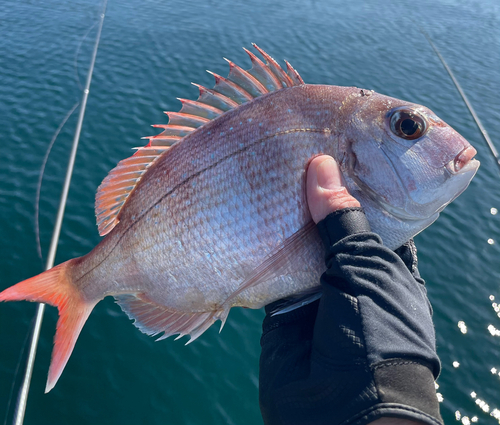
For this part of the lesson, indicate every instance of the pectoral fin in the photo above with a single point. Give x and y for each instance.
(281, 260)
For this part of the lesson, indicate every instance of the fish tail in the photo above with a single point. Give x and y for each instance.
(55, 287)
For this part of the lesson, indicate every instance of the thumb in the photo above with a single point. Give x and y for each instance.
(326, 192)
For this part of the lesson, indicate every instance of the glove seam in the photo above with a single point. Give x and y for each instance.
(365, 347)
(398, 363)
(365, 415)
(343, 211)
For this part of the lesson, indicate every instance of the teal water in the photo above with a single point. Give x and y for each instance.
(149, 53)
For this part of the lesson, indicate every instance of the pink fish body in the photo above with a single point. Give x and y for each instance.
(212, 213)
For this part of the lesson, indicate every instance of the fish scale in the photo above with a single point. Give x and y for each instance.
(212, 213)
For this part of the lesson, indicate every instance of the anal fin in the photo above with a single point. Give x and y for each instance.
(152, 318)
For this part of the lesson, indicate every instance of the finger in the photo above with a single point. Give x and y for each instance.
(326, 192)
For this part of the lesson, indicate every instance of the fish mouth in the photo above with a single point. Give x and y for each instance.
(463, 162)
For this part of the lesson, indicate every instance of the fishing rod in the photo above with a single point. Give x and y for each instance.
(483, 131)
(19, 413)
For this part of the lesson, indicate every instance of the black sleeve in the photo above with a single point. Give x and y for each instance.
(365, 350)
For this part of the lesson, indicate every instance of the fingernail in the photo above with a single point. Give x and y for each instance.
(328, 174)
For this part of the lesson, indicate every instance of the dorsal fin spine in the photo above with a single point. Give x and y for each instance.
(173, 130)
(239, 87)
(262, 73)
(294, 75)
(136, 159)
(161, 141)
(213, 98)
(275, 68)
(105, 229)
(231, 90)
(200, 109)
(246, 80)
(121, 185)
(186, 120)
(172, 127)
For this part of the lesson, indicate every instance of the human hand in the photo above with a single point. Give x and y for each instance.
(366, 350)
(326, 192)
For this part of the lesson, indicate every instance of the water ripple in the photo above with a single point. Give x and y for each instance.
(148, 56)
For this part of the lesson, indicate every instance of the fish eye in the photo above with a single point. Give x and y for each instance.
(407, 124)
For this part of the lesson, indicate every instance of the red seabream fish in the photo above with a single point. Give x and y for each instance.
(212, 213)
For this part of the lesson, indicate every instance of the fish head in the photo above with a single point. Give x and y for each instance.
(405, 159)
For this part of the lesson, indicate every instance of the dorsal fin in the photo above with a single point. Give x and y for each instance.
(237, 88)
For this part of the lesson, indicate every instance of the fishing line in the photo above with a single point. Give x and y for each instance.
(77, 77)
(483, 131)
(40, 178)
(23, 392)
(16, 372)
(51, 144)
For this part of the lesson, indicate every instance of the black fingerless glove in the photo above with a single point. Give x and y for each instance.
(365, 350)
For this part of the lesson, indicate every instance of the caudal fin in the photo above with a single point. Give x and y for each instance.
(54, 287)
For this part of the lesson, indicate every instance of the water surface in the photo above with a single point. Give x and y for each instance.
(149, 53)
